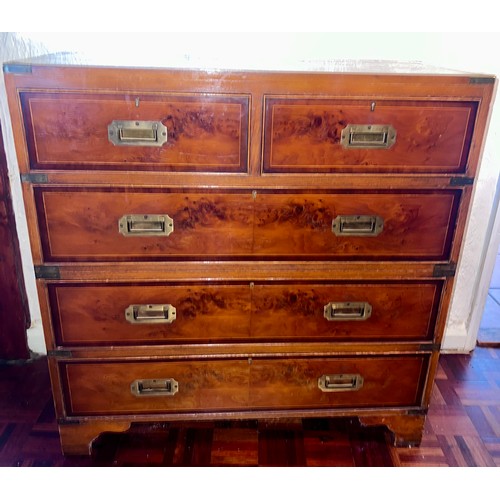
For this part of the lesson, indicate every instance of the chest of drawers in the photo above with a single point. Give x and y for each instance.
(231, 245)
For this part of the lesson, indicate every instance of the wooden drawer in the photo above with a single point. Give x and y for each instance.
(96, 314)
(345, 311)
(204, 133)
(84, 224)
(356, 224)
(104, 314)
(141, 387)
(329, 135)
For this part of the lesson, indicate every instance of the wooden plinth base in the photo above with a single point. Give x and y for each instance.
(77, 438)
(406, 430)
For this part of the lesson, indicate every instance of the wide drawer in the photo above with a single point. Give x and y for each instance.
(78, 224)
(122, 131)
(369, 135)
(104, 314)
(142, 387)
(108, 224)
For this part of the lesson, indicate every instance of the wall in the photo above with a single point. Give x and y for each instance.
(460, 51)
(15, 47)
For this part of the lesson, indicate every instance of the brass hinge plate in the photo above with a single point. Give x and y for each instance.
(35, 178)
(47, 272)
(444, 270)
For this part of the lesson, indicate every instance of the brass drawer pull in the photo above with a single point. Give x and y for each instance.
(347, 311)
(340, 382)
(368, 136)
(357, 225)
(137, 133)
(154, 387)
(150, 313)
(146, 225)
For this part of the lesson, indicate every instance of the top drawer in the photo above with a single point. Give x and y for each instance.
(122, 131)
(340, 135)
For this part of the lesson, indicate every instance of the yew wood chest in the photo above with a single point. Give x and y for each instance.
(214, 244)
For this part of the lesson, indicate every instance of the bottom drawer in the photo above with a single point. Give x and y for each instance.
(142, 387)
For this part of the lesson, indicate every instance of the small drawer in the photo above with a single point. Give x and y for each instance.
(121, 131)
(116, 225)
(356, 225)
(142, 387)
(105, 314)
(371, 135)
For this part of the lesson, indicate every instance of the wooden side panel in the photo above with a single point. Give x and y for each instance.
(78, 225)
(104, 388)
(415, 225)
(304, 135)
(204, 132)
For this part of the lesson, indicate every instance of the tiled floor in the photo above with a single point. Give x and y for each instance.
(489, 330)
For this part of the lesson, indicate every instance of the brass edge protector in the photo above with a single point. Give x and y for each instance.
(35, 178)
(60, 354)
(17, 68)
(461, 181)
(479, 80)
(429, 347)
(65, 421)
(417, 411)
(444, 270)
(47, 272)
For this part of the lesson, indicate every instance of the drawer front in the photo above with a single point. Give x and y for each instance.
(78, 225)
(112, 225)
(328, 135)
(194, 132)
(89, 314)
(118, 314)
(111, 388)
(345, 311)
(357, 225)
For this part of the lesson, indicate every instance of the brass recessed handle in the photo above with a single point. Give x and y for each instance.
(150, 313)
(146, 225)
(154, 387)
(368, 136)
(357, 225)
(137, 133)
(347, 311)
(340, 382)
